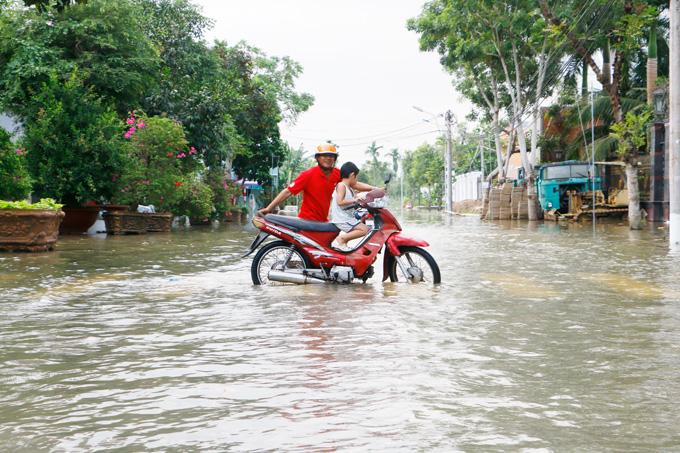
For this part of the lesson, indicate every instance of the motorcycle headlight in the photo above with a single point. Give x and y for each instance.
(379, 202)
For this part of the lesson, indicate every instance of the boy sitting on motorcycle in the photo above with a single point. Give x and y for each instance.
(344, 196)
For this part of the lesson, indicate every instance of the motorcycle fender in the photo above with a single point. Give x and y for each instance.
(397, 240)
(259, 239)
(392, 245)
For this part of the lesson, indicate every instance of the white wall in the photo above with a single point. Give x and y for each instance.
(468, 186)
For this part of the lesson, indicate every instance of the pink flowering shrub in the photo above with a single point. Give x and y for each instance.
(162, 168)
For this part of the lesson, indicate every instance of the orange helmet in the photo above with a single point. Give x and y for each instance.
(326, 148)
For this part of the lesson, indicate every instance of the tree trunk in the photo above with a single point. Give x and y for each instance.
(652, 64)
(634, 217)
(531, 191)
(584, 81)
(606, 62)
(612, 88)
(651, 79)
(499, 153)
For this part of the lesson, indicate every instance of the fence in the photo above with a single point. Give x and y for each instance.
(468, 186)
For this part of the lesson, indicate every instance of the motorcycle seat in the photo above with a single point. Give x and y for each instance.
(297, 224)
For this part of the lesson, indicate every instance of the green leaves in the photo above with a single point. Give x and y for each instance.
(44, 203)
(631, 134)
(74, 143)
(102, 39)
(15, 182)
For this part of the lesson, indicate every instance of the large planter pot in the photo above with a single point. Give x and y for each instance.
(122, 222)
(158, 222)
(32, 230)
(235, 216)
(78, 220)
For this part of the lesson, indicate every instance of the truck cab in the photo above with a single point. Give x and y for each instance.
(555, 182)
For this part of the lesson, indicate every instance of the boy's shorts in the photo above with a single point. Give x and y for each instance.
(347, 226)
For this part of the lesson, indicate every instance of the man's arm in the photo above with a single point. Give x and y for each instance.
(280, 198)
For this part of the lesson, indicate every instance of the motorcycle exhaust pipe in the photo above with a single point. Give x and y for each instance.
(290, 277)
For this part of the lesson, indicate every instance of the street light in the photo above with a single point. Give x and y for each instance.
(659, 98)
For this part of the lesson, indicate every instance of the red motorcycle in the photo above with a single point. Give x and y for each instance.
(304, 253)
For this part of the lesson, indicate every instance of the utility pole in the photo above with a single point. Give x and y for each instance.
(449, 161)
(674, 101)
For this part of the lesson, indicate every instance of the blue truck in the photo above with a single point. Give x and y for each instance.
(569, 189)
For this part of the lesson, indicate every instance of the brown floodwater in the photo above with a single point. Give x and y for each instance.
(542, 337)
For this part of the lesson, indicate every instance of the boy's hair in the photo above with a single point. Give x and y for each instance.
(347, 169)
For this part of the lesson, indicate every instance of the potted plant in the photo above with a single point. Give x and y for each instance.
(23, 226)
(73, 145)
(236, 213)
(161, 171)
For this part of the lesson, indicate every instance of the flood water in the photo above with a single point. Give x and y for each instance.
(541, 338)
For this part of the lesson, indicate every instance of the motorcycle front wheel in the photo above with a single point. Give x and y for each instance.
(273, 256)
(419, 264)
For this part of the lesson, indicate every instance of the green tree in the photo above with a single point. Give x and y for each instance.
(396, 157)
(73, 147)
(256, 113)
(293, 164)
(59, 5)
(625, 24)
(491, 44)
(373, 153)
(424, 170)
(102, 40)
(280, 74)
(190, 85)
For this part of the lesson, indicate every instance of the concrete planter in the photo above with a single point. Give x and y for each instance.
(235, 216)
(158, 222)
(122, 222)
(31, 230)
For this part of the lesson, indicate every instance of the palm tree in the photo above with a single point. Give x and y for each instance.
(372, 152)
(396, 157)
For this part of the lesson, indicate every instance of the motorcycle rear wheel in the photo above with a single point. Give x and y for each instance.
(272, 256)
(418, 259)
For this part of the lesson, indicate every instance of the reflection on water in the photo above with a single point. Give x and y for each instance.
(542, 337)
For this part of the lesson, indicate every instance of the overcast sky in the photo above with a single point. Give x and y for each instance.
(360, 63)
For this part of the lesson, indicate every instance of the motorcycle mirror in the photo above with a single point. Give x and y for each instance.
(389, 177)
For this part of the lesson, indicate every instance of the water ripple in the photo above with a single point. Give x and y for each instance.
(541, 337)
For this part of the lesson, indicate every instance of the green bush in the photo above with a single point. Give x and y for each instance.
(15, 182)
(225, 194)
(195, 200)
(74, 145)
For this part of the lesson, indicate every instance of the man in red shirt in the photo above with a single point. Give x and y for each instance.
(317, 185)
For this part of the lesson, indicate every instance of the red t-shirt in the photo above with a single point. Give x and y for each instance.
(317, 191)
